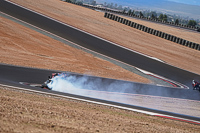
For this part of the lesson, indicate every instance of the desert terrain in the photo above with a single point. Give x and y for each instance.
(29, 112)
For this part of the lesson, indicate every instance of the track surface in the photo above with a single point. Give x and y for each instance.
(12, 75)
(99, 45)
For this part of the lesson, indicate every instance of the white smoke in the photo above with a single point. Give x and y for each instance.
(86, 86)
(117, 91)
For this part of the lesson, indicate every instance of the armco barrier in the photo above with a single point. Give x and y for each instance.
(157, 33)
(108, 15)
(116, 18)
(168, 37)
(198, 47)
(140, 27)
(186, 43)
(119, 18)
(174, 40)
(143, 28)
(191, 45)
(152, 31)
(183, 42)
(171, 38)
(111, 16)
(105, 15)
(177, 39)
(180, 41)
(134, 26)
(163, 35)
(121, 21)
(129, 23)
(160, 34)
(132, 15)
(146, 29)
(124, 21)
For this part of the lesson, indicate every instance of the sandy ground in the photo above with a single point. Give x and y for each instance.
(94, 22)
(31, 113)
(21, 112)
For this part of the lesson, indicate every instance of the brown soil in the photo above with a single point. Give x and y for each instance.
(33, 113)
(94, 22)
(25, 47)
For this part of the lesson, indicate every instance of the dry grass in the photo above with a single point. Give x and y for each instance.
(35, 113)
(25, 47)
(94, 22)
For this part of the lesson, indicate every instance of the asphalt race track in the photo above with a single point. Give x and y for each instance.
(12, 75)
(99, 45)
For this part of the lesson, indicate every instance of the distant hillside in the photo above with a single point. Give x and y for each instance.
(161, 5)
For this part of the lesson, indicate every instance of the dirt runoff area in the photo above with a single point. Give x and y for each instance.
(24, 47)
(95, 23)
(25, 112)
(35, 113)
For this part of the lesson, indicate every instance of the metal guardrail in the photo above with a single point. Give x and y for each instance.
(136, 16)
(153, 31)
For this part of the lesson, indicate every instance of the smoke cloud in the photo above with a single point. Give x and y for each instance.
(121, 91)
(86, 85)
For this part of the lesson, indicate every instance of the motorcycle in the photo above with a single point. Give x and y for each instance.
(197, 87)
